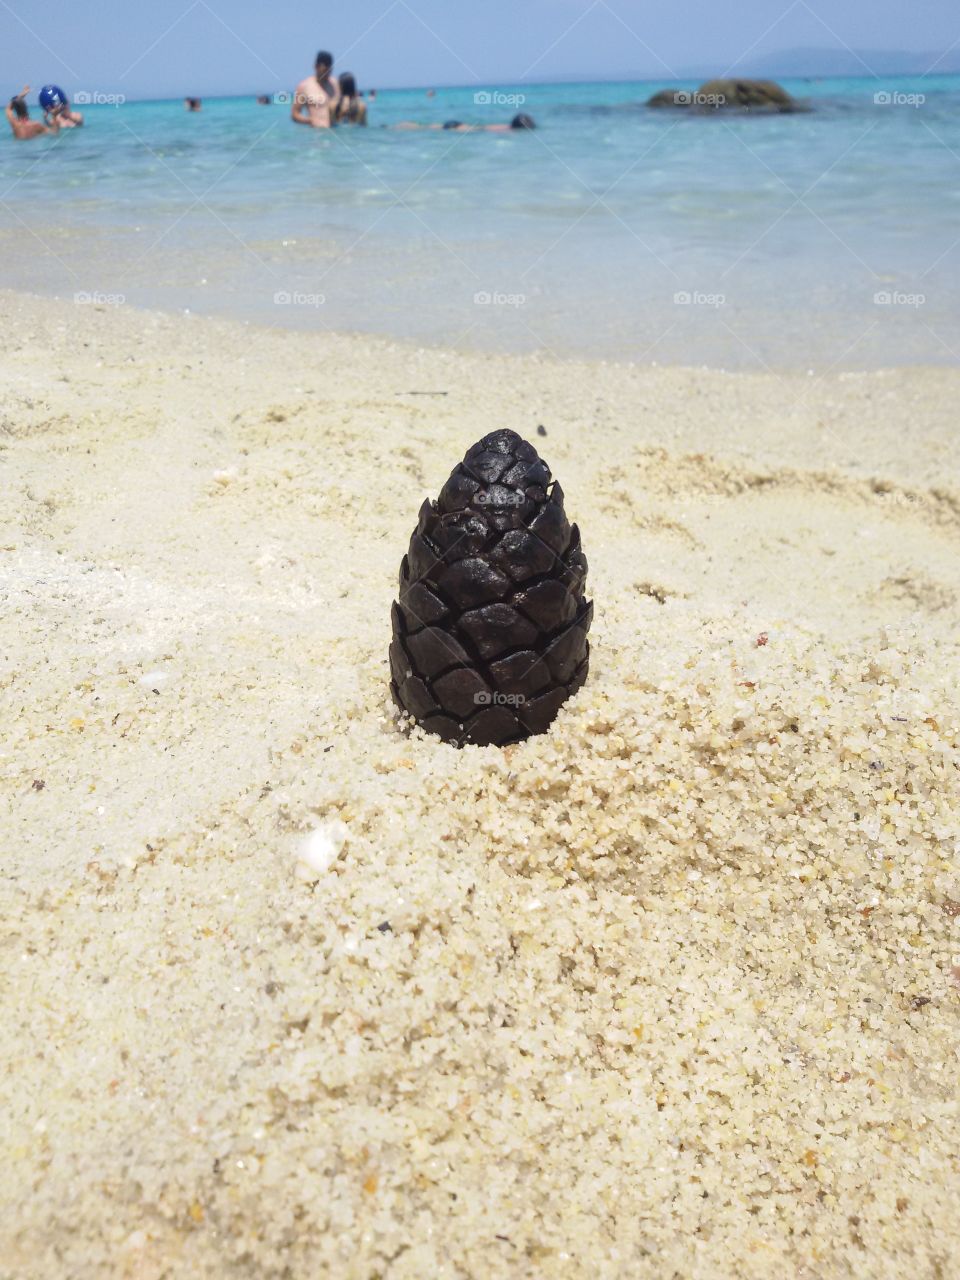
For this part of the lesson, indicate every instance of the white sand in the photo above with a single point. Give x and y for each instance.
(673, 990)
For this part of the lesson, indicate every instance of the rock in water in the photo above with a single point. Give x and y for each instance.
(670, 98)
(729, 95)
(490, 632)
(746, 95)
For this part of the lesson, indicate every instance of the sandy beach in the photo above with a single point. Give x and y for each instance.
(291, 991)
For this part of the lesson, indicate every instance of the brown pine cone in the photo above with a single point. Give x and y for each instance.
(490, 632)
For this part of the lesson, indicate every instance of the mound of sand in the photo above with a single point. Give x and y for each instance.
(293, 991)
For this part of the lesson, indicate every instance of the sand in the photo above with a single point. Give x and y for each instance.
(673, 990)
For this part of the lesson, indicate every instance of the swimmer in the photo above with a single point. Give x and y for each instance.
(351, 109)
(518, 122)
(193, 104)
(457, 126)
(18, 115)
(316, 98)
(57, 112)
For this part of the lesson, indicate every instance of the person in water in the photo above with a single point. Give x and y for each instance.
(351, 108)
(18, 116)
(457, 126)
(57, 112)
(316, 98)
(193, 104)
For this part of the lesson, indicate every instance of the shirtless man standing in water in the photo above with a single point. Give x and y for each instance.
(18, 117)
(315, 100)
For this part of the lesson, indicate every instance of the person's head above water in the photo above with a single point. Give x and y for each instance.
(348, 84)
(19, 108)
(52, 97)
(522, 122)
(324, 64)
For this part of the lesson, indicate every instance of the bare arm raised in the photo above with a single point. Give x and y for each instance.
(18, 117)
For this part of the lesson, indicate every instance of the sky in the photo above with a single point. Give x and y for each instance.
(173, 47)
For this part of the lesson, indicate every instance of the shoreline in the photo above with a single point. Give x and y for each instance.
(674, 988)
(799, 371)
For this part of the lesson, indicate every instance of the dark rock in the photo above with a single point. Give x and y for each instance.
(745, 95)
(670, 98)
(730, 95)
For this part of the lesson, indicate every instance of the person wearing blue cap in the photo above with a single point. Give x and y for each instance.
(56, 106)
(18, 117)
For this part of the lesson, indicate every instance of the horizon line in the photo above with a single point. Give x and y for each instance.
(506, 84)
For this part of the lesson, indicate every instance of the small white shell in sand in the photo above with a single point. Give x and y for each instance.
(153, 679)
(320, 850)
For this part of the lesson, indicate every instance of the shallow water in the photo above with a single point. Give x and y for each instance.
(830, 237)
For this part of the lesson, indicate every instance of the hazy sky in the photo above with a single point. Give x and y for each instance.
(235, 46)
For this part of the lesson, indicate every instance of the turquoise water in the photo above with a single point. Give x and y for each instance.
(613, 230)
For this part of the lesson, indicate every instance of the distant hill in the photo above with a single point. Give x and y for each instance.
(843, 62)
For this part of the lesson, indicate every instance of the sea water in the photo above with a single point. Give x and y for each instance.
(829, 238)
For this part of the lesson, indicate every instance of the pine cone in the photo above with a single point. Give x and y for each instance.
(490, 633)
